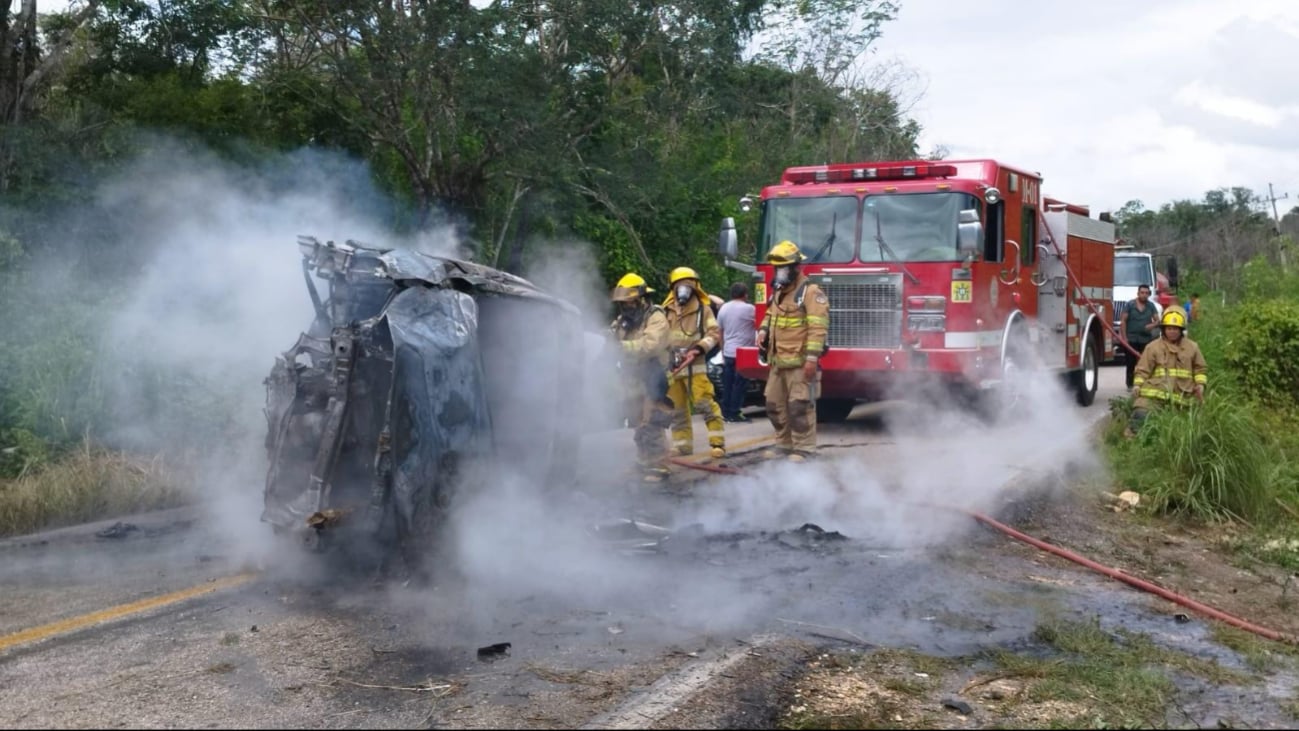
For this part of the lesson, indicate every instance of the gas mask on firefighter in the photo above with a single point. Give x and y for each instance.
(631, 313)
(684, 292)
(784, 275)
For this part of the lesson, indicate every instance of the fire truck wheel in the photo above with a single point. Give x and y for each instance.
(833, 410)
(1087, 380)
(1005, 400)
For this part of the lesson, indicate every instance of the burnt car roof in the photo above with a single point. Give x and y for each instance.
(355, 260)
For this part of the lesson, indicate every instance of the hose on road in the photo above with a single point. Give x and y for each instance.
(1113, 573)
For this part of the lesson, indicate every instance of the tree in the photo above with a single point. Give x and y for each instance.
(29, 63)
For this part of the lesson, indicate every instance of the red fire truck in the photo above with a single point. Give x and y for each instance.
(954, 272)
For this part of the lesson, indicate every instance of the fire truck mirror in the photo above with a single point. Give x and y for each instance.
(727, 243)
(969, 232)
(1172, 272)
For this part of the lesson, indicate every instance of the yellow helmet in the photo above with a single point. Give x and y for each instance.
(682, 273)
(785, 253)
(1173, 317)
(631, 287)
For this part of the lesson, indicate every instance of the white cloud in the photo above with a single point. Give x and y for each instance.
(1111, 101)
(1216, 101)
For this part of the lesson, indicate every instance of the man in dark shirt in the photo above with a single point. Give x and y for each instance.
(1137, 327)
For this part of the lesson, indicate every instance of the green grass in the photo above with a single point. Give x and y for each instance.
(1236, 457)
(1077, 676)
(1119, 676)
(84, 485)
(1260, 655)
(1213, 462)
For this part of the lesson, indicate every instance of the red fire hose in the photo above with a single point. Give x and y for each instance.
(1113, 573)
(1131, 580)
(716, 469)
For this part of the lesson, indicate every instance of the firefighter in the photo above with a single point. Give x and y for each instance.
(641, 329)
(692, 334)
(792, 336)
(1172, 370)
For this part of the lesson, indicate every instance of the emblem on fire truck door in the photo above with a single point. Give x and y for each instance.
(993, 291)
(962, 291)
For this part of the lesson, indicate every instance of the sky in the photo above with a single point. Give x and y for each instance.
(1110, 100)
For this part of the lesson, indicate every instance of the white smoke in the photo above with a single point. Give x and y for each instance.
(221, 296)
(224, 295)
(942, 460)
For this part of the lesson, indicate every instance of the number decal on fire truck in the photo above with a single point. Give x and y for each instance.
(962, 291)
(760, 292)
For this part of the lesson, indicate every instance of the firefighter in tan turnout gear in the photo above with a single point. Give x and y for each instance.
(641, 329)
(1172, 371)
(692, 333)
(792, 336)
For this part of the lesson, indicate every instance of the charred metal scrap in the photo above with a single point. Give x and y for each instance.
(415, 370)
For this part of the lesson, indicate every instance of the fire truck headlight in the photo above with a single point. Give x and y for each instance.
(992, 195)
(927, 323)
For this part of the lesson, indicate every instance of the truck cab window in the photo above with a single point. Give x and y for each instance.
(996, 232)
(1028, 235)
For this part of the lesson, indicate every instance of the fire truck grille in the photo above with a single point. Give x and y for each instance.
(865, 312)
(1119, 306)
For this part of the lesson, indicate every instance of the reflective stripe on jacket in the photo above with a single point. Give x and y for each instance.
(797, 321)
(1170, 372)
(690, 325)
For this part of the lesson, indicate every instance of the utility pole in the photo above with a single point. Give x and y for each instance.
(1272, 198)
(1276, 218)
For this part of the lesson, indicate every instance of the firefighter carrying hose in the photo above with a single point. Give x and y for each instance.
(1172, 370)
(792, 336)
(641, 329)
(692, 334)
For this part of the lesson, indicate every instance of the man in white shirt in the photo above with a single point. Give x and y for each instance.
(736, 321)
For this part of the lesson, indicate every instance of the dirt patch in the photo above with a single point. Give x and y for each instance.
(1071, 672)
(1200, 562)
(881, 689)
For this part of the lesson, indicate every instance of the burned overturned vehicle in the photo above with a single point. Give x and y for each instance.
(416, 373)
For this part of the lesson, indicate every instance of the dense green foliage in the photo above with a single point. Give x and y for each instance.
(1236, 457)
(1263, 353)
(523, 125)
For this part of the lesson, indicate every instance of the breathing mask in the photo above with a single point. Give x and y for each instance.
(784, 275)
(684, 292)
(630, 313)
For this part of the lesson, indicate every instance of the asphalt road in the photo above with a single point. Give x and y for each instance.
(189, 619)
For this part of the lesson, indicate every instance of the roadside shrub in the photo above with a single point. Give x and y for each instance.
(1213, 462)
(1263, 280)
(1262, 354)
(20, 451)
(86, 484)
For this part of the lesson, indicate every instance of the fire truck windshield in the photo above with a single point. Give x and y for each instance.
(1132, 271)
(825, 229)
(917, 226)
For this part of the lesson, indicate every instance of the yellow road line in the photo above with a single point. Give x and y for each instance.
(73, 624)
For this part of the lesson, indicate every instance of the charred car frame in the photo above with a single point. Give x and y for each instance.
(417, 372)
